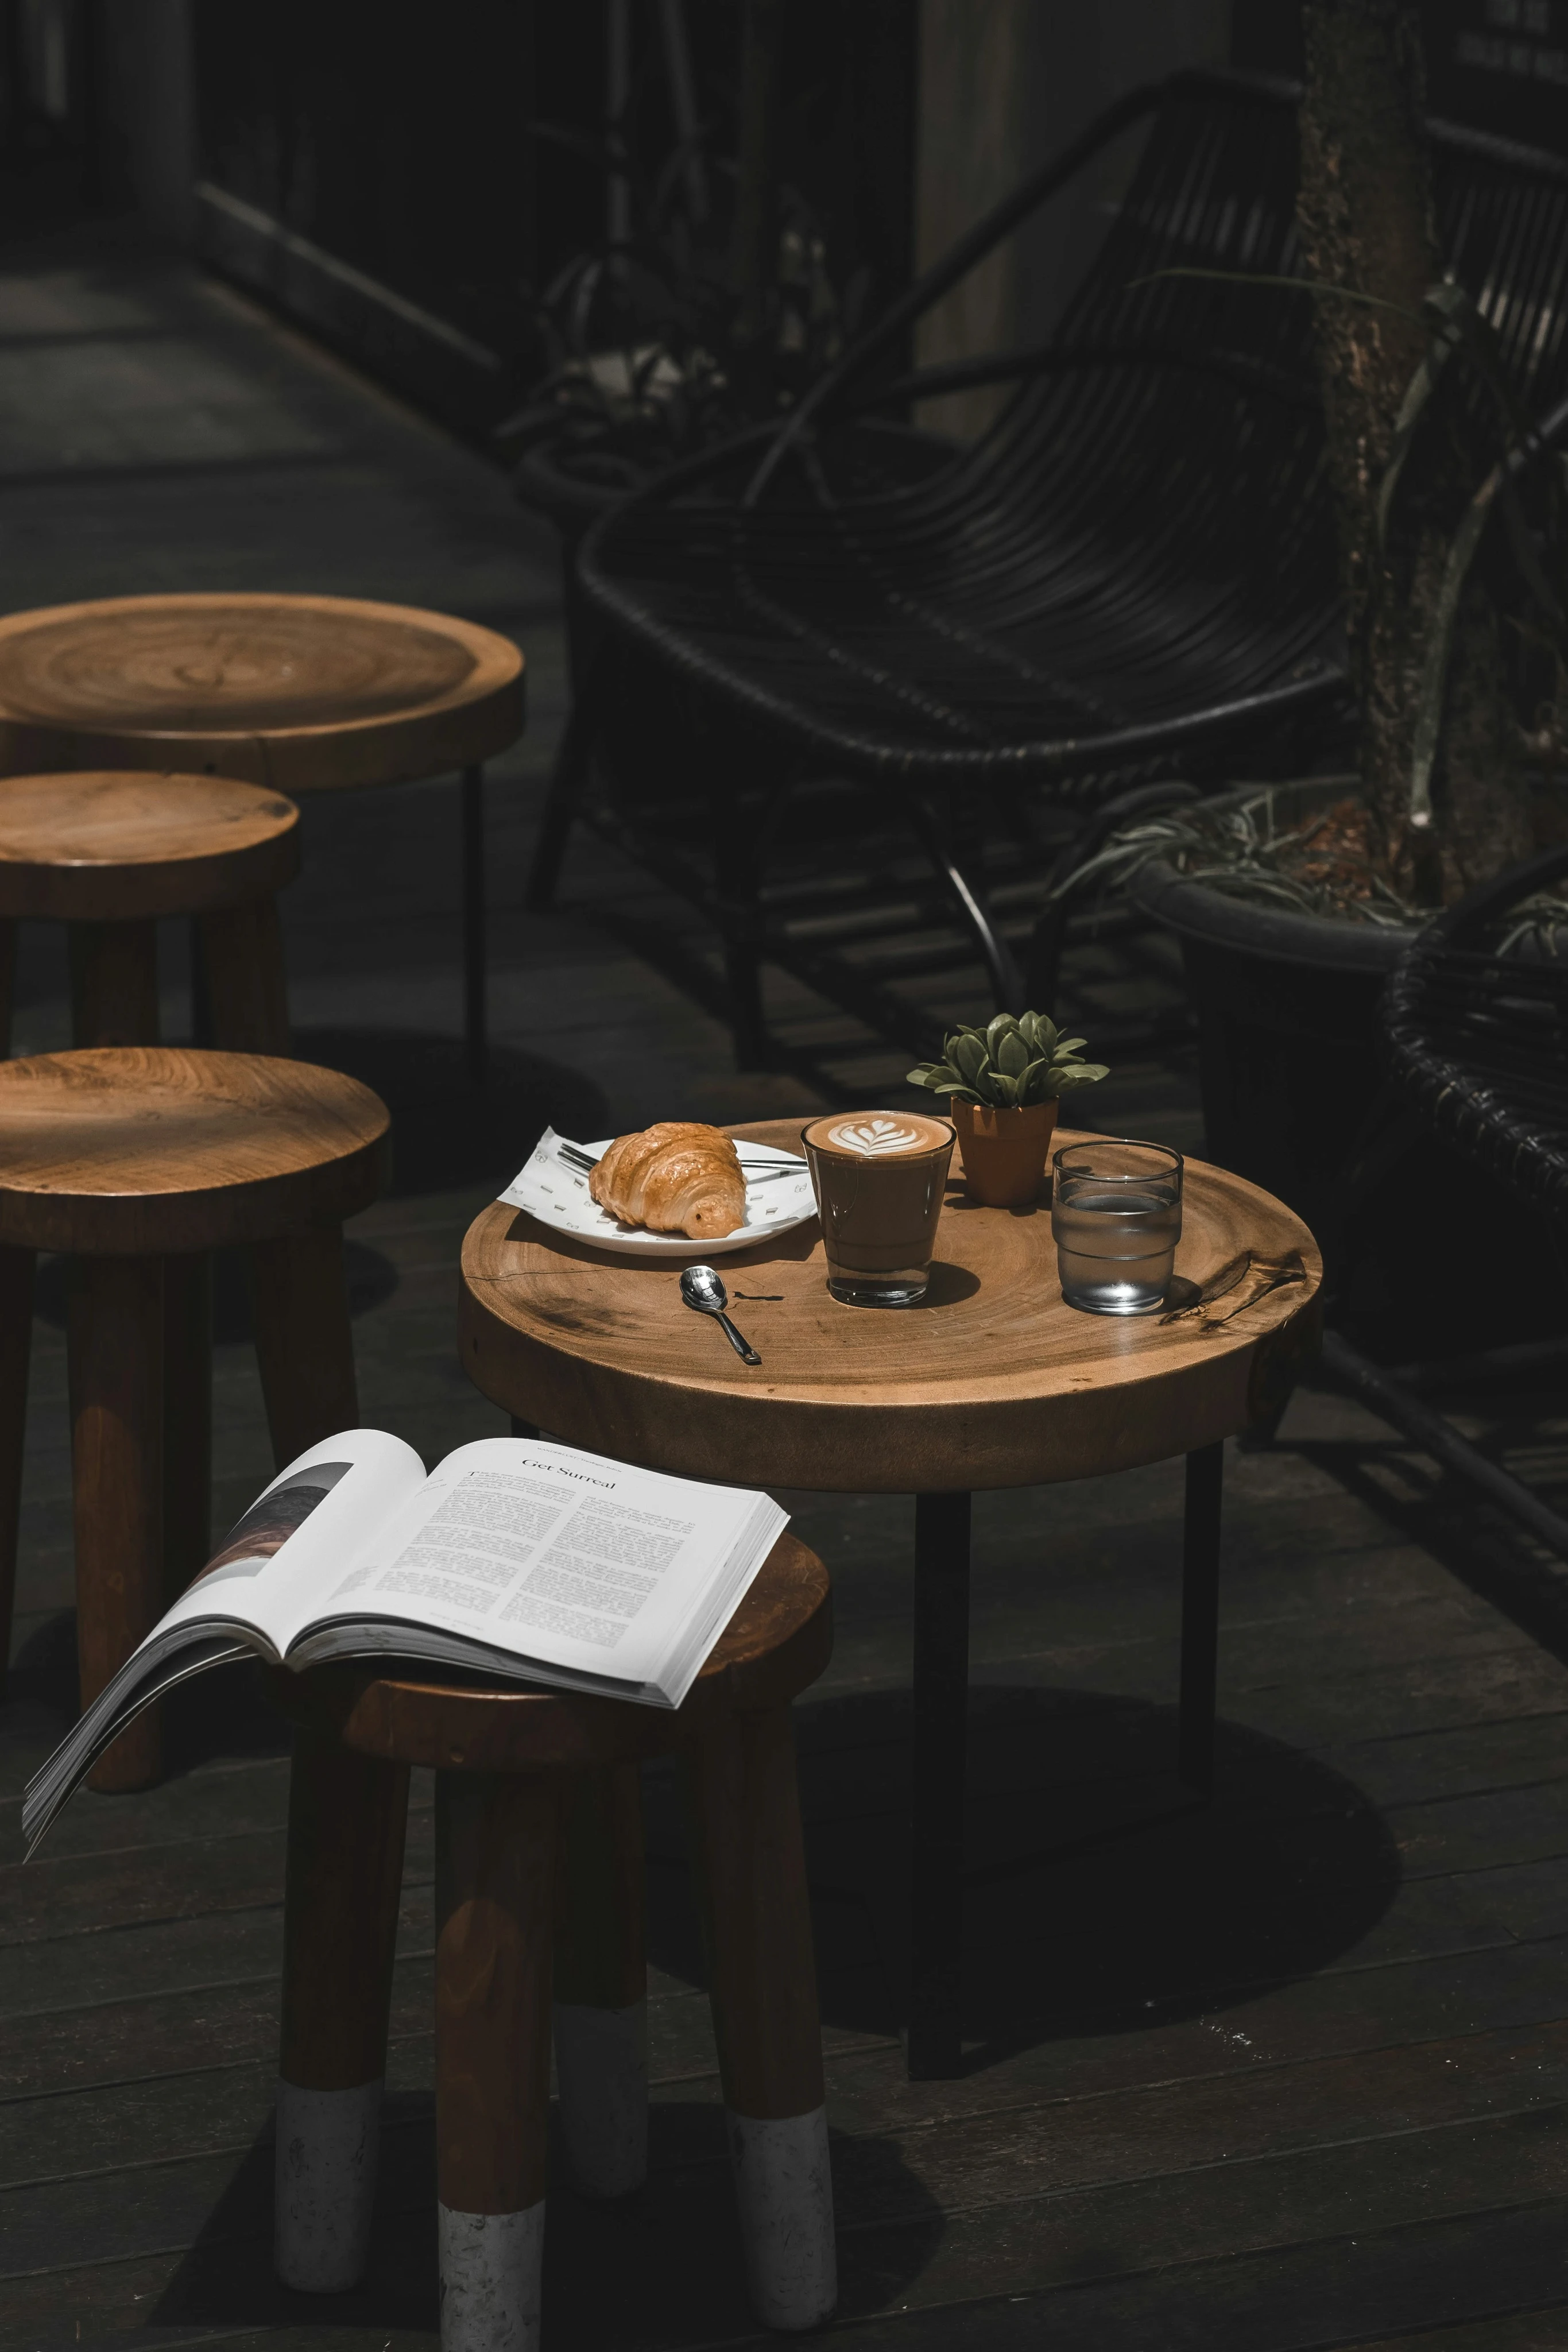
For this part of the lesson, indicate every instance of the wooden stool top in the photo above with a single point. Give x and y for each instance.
(297, 693)
(143, 1151)
(992, 1381)
(127, 848)
(778, 1642)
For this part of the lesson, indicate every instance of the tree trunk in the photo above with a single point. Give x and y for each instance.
(1366, 222)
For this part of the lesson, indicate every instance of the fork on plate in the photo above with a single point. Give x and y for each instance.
(758, 1171)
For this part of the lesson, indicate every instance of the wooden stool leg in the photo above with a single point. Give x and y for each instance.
(116, 1348)
(764, 1992)
(247, 993)
(187, 1420)
(16, 1344)
(495, 1871)
(303, 1343)
(347, 1815)
(600, 2008)
(114, 983)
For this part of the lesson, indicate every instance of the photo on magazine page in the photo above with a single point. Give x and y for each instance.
(266, 1527)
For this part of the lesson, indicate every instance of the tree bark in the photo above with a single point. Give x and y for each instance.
(1366, 221)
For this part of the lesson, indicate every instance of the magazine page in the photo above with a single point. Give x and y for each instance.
(545, 1551)
(324, 1506)
(270, 1568)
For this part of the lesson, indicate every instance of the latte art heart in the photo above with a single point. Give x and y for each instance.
(873, 1137)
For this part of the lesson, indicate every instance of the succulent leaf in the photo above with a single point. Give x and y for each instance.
(966, 1053)
(1015, 1059)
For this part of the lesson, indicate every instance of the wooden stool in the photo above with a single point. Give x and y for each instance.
(539, 1876)
(300, 694)
(138, 1162)
(108, 853)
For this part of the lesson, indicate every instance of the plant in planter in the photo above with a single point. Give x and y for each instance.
(1292, 902)
(695, 320)
(1004, 1083)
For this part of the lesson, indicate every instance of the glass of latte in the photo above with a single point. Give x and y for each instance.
(879, 1177)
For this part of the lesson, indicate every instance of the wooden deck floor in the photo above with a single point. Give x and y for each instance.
(1290, 2073)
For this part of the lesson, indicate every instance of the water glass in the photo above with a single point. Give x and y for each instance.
(1115, 1212)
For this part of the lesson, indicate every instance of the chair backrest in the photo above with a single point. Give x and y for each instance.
(1502, 213)
(1190, 431)
(1200, 427)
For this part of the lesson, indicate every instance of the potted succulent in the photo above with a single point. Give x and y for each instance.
(1004, 1083)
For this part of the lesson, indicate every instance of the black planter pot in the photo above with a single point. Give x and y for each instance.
(1289, 1069)
(1285, 1007)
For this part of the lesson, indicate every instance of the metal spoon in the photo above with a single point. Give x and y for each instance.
(701, 1288)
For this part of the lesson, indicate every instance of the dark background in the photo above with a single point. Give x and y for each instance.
(412, 158)
(375, 172)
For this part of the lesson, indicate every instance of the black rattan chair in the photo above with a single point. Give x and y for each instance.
(1133, 574)
(1478, 1054)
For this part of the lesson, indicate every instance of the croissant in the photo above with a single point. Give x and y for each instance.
(678, 1177)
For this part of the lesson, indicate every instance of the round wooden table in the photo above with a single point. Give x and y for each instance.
(992, 1382)
(302, 694)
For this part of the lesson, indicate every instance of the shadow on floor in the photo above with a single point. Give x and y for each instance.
(1099, 1895)
(662, 2267)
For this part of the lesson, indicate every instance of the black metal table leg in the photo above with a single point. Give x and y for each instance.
(1200, 1616)
(569, 779)
(941, 1705)
(474, 1022)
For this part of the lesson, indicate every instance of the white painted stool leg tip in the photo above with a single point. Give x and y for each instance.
(601, 2071)
(490, 2272)
(327, 2146)
(784, 2188)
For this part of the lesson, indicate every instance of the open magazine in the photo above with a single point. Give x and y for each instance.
(517, 1557)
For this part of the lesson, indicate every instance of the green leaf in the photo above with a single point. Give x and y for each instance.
(966, 1053)
(1434, 668)
(1300, 285)
(1001, 1025)
(1006, 1089)
(1412, 408)
(1011, 1054)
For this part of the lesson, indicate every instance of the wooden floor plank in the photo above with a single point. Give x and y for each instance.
(1490, 2182)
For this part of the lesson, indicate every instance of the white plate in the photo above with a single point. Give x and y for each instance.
(558, 1195)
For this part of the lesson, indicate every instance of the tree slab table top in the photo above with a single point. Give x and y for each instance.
(991, 1381)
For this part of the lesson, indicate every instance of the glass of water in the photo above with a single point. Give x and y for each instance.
(1115, 1212)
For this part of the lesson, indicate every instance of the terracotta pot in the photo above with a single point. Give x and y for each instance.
(1004, 1151)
